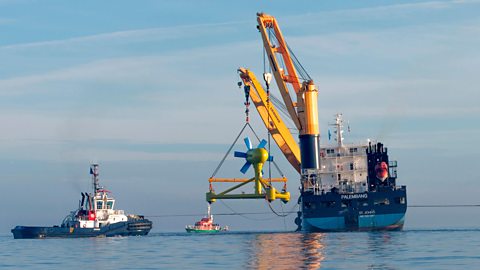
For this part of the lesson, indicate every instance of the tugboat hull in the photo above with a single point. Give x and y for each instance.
(129, 228)
(201, 231)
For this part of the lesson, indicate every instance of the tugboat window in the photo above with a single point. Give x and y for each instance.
(109, 205)
(99, 205)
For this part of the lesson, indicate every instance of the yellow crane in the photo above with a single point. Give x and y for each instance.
(303, 111)
(364, 197)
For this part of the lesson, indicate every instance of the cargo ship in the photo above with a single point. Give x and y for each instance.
(342, 187)
(95, 217)
(354, 189)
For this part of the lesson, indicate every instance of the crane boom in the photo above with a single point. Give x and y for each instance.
(268, 22)
(304, 112)
(271, 118)
(305, 117)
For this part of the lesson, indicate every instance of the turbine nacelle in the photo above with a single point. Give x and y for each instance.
(254, 156)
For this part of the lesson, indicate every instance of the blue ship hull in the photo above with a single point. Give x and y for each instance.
(383, 209)
(126, 228)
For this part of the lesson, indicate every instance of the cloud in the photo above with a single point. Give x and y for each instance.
(188, 94)
(6, 21)
(375, 12)
(136, 35)
(441, 140)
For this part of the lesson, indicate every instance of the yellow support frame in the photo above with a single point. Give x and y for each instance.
(270, 192)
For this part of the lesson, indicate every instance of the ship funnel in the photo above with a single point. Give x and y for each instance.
(83, 200)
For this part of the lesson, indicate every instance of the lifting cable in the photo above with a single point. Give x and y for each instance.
(443, 205)
(285, 214)
(298, 66)
(233, 144)
(267, 83)
(234, 213)
(229, 149)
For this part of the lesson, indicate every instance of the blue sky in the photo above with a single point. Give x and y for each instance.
(148, 89)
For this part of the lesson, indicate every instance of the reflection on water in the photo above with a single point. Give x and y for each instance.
(382, 247)
(287, 251)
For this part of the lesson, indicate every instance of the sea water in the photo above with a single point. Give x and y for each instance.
(407, 249)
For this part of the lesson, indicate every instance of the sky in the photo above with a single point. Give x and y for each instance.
(148, 89)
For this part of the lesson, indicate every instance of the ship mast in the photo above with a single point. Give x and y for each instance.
(338, 129)
(94, 173)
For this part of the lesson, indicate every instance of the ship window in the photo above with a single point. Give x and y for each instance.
(328, 204)
(330, 151)
(346, 203)
(99, 205)
(309, 205)
(381, 202)
(109, 205)
(400, 200)
(351, 166)
(353, 150)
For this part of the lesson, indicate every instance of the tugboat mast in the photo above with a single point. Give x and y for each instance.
(209, 212)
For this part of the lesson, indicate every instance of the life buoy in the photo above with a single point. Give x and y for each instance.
(84, 225)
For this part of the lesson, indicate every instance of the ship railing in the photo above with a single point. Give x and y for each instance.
(342, 187)
(341, 168)
(337, 155)
(355, 187)
(310, 180)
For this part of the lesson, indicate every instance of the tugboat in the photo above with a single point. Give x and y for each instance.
(206, 225)
(95, 217)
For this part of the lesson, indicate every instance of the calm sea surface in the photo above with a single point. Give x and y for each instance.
(408, 249)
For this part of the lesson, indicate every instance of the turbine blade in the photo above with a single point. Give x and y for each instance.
(262, 144)
(240, 154)
(245, 167)
(248, 143)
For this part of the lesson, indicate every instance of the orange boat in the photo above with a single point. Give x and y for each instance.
(206, 225)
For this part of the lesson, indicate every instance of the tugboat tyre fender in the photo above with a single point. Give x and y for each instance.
(84, 225)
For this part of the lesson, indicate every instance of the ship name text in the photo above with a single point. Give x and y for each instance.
(354, 196)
